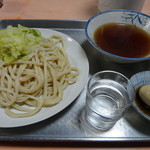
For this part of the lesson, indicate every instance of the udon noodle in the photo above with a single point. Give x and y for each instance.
(28, 85)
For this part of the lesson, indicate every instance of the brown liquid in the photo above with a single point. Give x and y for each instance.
(142, 106)
(123, 40)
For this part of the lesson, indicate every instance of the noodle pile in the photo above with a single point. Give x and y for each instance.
(28, 85)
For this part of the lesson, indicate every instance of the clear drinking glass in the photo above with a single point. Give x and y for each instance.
(104, 5)
(1, 3)
(109, 95)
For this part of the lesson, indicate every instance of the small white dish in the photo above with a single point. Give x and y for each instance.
(138, 80)
(117, 16)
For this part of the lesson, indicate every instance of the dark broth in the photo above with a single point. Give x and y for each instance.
(123, 40)
(142, 106)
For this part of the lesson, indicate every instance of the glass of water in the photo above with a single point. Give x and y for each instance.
(109, 95)
(104, 5)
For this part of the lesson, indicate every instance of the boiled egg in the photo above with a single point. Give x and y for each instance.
(144, 93)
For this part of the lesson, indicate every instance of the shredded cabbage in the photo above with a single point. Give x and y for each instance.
(17, 42)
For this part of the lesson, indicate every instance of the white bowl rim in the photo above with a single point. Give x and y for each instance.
(97, 47)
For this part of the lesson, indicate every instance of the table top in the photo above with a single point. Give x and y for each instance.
(49, 9)
(67, 10)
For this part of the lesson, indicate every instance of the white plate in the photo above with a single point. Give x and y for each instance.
(78, 59)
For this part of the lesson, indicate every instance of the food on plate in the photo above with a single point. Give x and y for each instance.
(18, 42)
(34, 71)
(144, 93)
(142, 99)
